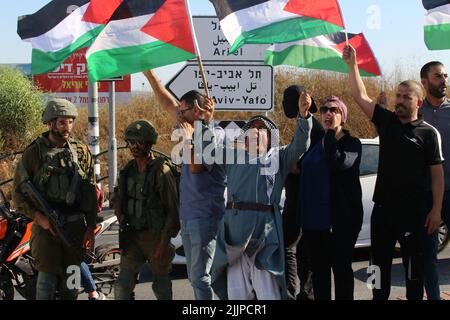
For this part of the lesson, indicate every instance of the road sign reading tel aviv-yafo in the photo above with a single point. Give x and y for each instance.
(243, 87)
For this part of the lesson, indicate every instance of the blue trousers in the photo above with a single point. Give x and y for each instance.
(86, 278)
(431, 275)
(199, 241)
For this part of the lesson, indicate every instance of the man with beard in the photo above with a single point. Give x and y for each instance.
(146, 205)
(62, 170)
(410, 152)
(436, 111)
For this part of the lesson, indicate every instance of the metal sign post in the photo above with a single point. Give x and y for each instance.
(93, 127)
(112, 146)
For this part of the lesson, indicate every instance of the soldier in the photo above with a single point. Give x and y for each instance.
(62, 170)
(146, 205)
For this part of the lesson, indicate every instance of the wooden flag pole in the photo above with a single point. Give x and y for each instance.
(197, 50)
(382, 78)
(345, 29)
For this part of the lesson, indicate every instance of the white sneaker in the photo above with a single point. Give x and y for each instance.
(100, 296)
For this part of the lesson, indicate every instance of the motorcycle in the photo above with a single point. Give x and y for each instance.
(17, 269)
(16, 262)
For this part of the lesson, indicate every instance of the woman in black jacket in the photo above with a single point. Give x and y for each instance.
(331, 210)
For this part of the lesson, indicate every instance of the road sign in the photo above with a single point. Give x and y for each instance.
(70, 81)
(215, 47)
(243, 87)
(113, 79)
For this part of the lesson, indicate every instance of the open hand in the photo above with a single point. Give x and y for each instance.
(433, 221)
(89, 239)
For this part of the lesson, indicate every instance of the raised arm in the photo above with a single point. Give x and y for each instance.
(357, 86)
(164, 97)
(301, 141)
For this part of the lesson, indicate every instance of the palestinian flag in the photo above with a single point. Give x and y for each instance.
(276, 21)
(325, 53)
(61, 28)
(437, 24)
(141, 35)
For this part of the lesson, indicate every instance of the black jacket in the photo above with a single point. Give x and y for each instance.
(291, 226)
(344, 157)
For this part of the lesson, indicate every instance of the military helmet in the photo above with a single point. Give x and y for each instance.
(58, 108)
(141, 130)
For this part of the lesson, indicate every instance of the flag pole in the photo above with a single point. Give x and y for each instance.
(343, 22)
(381, 71)
(197, 50)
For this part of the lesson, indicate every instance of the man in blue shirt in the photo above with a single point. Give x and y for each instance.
(436, 112)
(202, 202)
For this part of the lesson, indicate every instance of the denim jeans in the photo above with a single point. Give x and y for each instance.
(199, 241)
(431, 277)
(86, 278)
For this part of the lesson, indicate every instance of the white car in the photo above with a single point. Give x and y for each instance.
(368, 177)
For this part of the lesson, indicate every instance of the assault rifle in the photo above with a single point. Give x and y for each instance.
(34, 197)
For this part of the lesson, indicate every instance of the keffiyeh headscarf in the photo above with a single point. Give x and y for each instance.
(270, 125)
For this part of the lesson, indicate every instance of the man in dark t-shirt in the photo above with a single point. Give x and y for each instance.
(410, 156)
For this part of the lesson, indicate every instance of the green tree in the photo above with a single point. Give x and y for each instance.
(20, 109)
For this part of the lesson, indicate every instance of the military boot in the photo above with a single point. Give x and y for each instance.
(162, 287)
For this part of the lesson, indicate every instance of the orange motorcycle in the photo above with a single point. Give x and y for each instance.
(16, 262)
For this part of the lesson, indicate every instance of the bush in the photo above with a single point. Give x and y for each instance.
(20, 109)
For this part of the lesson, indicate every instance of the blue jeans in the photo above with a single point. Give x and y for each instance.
(431, 276)
(86, 278)
(199, 241)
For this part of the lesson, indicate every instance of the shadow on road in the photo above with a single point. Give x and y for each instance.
(398, 273)
(178, 272)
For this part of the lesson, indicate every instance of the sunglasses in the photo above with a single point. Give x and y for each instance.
(181, 112)
(334, 110)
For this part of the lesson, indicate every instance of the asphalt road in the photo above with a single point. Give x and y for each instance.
(183, 291)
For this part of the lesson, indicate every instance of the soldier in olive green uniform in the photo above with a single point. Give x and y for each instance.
(146, 204)
(62, 169)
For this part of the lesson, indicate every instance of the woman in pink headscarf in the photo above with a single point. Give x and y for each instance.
(330, 204)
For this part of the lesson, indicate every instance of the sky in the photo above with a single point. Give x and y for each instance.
(394, 30)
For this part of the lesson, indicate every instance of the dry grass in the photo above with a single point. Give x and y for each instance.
(321, 84)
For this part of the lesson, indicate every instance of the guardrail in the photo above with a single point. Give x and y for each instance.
(11, 154)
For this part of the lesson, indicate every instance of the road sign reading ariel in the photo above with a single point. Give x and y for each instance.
(215, 47)
(243, 87)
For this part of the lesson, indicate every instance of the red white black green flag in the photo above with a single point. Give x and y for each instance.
(62, 27)
(276, 21)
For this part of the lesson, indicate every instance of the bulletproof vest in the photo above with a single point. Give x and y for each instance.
(140, 200)
(59, 177)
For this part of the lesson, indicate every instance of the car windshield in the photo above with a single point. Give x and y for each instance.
(369, 159)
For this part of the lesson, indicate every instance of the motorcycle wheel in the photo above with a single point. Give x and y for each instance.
(105, 277)
(109, 252)
(6, 288)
